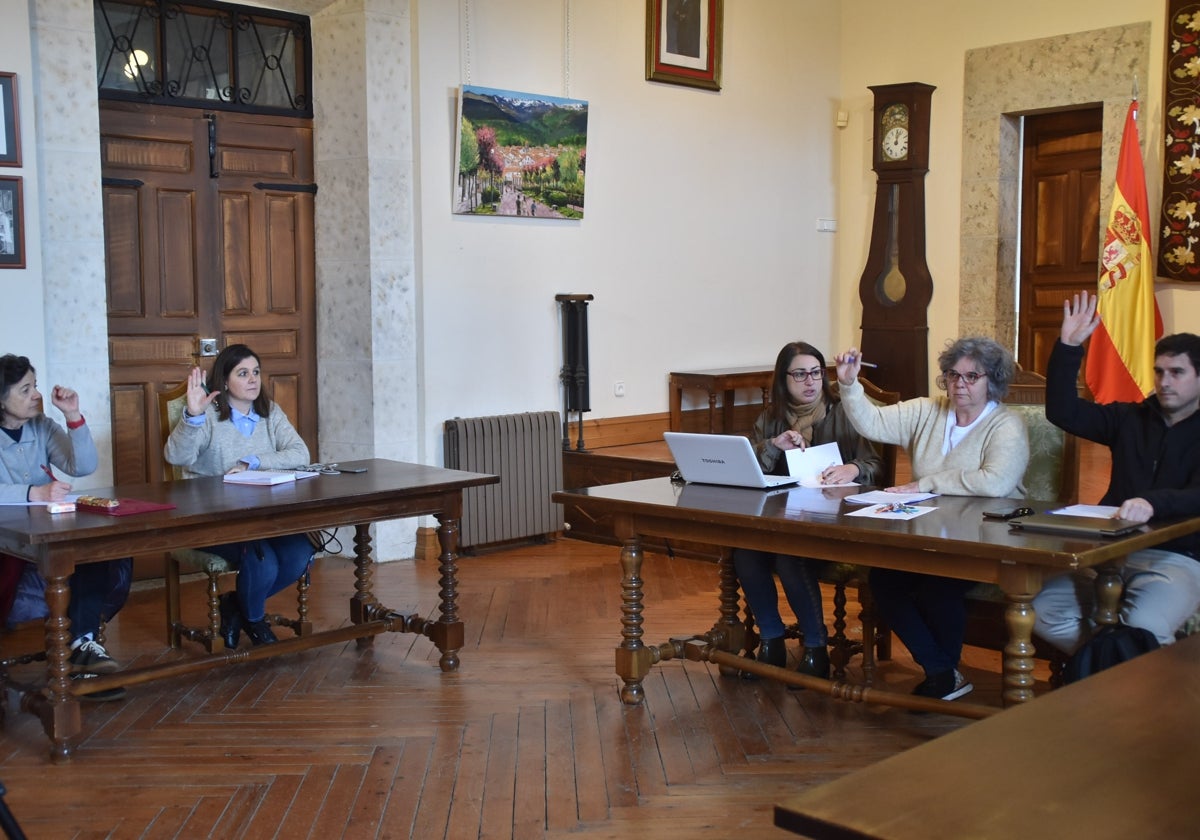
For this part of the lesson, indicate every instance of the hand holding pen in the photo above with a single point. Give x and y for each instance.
(849, 364)
(55, 491)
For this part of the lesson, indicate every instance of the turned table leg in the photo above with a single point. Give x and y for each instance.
(633, 657)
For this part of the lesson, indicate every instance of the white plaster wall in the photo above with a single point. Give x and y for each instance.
(927, 42)
(24, 328)
(699, 240)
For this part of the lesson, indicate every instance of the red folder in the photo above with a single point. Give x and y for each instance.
(127, 507)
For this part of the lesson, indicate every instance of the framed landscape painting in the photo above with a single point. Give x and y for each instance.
(683, 42)
(520, 154)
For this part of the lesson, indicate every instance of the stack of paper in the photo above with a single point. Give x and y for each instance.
(266, 476)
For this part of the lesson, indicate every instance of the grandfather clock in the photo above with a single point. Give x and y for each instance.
(896, 287)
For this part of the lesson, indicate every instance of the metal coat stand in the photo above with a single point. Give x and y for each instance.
(574, 374)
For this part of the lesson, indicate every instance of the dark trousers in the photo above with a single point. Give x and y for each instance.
(927, 613)
(756, 571)
(264, 568)
(98, 591)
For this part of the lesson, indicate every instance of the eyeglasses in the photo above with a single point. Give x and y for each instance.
(952, 377)
(805, 375)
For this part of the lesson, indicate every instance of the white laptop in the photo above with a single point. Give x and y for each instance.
(720, 459)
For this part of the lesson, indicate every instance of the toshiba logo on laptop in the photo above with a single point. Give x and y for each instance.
(713, 460)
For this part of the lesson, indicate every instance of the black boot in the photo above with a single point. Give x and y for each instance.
(231, 620)
(771, 652)
(814, 661)
(260, 633)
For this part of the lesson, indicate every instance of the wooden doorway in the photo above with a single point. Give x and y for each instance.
(208, 225)
(1060, 223)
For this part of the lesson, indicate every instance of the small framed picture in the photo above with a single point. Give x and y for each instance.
(12, 224)
(10, 132)
(683, 42)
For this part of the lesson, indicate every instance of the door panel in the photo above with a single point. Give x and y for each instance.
(200, 247)
(1060, 224)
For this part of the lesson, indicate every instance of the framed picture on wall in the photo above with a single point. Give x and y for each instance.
(10, 134)
(683, 42)
(12, 224)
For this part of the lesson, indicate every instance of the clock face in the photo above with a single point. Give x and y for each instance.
(893, 132)
(895, 143)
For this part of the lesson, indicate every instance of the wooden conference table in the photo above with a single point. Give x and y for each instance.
(209, 511)
(1109, 756)
(954, 541)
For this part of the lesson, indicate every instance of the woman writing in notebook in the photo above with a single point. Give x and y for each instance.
(803, 412)
(966, 443)
(30, 445)
(230, 425)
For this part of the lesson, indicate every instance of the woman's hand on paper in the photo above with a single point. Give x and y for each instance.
(839, 474)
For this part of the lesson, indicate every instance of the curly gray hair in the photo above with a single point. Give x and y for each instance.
(996, 361)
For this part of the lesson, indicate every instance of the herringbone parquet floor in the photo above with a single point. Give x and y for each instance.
(529, 739)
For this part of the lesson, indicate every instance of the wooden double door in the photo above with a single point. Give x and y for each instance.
(208, 224)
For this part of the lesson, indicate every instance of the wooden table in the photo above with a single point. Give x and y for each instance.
(209, 511)
(954, 541)
(723, 381)
(1109, 756)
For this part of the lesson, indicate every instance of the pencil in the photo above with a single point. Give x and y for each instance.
(46, 470)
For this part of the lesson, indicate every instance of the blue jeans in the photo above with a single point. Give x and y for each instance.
(927, 613)
(756, 571)
(264, 568)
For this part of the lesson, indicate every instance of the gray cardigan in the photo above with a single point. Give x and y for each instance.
(215, 447)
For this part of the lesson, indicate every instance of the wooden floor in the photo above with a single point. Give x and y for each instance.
(528, 739)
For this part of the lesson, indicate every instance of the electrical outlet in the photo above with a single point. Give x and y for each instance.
(618, 389)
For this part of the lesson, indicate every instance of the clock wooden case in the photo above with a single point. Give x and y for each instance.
(896, 286)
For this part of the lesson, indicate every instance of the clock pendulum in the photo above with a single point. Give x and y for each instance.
(896, 287)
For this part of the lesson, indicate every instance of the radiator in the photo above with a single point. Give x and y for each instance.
(525, 450)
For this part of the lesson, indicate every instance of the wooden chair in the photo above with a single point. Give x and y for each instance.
(170, 411)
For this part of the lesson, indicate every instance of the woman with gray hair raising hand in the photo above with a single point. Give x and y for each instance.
(965, 443)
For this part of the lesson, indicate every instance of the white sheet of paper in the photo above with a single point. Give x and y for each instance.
(883, 497)
(874, 512)
(1102, 511)
(808, 464)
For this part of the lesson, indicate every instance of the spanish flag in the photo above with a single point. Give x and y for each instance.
(1120, 360)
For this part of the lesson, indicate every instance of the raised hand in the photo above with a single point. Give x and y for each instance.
(1079, 319)
(198, 397)
(848, 366)
(66, 401)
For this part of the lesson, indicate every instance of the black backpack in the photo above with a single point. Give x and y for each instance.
(1112, 645)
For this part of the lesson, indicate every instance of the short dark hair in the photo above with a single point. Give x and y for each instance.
(779, 388)
(223, 365)
(1180, 344)
(12, 370)
(994, 358)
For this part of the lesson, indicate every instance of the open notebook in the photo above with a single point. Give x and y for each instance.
(720, 459)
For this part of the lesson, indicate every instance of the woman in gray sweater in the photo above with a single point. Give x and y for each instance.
(230, 425)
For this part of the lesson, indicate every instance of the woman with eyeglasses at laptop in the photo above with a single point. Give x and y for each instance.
(803, 412)
(966, 443)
